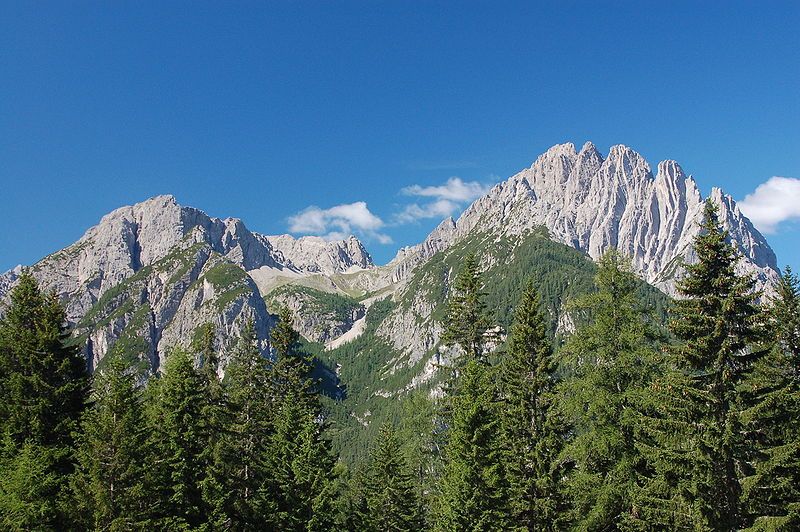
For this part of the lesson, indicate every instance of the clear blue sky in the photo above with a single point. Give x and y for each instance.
(262, 109)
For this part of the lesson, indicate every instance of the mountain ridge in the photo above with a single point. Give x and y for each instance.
(593, 204)
(156, 266)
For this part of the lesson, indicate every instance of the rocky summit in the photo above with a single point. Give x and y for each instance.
(147, 276)
(594, 204)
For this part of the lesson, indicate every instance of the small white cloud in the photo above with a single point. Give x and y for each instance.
(338, 222)
(454, 190)
(775, 201)
(438, 209)
(448, 198)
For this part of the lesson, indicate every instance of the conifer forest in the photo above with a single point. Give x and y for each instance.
(644, 418)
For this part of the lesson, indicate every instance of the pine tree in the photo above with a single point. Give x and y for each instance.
(216, 420)
(242, 461)
(466, 322)
(771, 492)
(532, 432)
(179, 443)
(300, 460)
(473, 490)
(391, 495)
(43, 385)
(292, 369)
(692, 434)
(29, 487)
(350, 498)
(420, 444)
(611, 360)
(111, 461)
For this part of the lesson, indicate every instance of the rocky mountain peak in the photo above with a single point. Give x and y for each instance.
(594, 203)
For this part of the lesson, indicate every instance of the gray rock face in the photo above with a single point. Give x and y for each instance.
(312, 254)
(153, 272)
(592, 204)
(315, 320)
(595, 204)
(150, 274)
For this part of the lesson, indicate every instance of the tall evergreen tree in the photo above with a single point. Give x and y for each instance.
(108, 483)
(242, 461)
(179, 442)
(473, 489)
(216, 420)
(391, 497)
(43, 385)
(293, 368)
(693, 437)
(421, 444)
(611, 361)
(300, 460)
(532, 431)
(771, 492)
(466, 323)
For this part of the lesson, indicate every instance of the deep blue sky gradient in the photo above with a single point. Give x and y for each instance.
(260, 109)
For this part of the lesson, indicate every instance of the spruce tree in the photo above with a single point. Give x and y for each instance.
(43, 385)
(216, 420)
(108, 482)
(692, 433)
(473, 490)
(242, 462)
(300, 460)
(420, 444)
(293, 368)
(611, 360)
(391, 496)
(179, 443)
(466, 322)
(771, 492)
(532, 432)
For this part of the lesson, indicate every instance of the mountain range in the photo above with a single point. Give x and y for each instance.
(147, 276)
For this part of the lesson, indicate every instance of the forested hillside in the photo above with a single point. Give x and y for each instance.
(562, 395)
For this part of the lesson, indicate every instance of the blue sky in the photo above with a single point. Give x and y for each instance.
(372, 116)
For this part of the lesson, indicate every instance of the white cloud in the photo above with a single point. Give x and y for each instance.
(447, 199)
(338, 222)
(438, 209)
(775, 201)
(454, 190)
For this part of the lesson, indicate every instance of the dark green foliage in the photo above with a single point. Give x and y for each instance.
(301, 468)
(111, 455)
(43, 384)
(609, 361)
(293, 368)
(369, 368)
(531, 429)
(420, 443)
(339, 307)
(466, 323)
(473, 489)
(203, 345)
(31, 486)
(241, 457)
(391, 497)
(693, 436)
(300, 460)
(363, 372)
(771, 493)
(44, 380)
(179, 441)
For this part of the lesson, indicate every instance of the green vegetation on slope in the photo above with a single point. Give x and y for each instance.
(339, 307)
